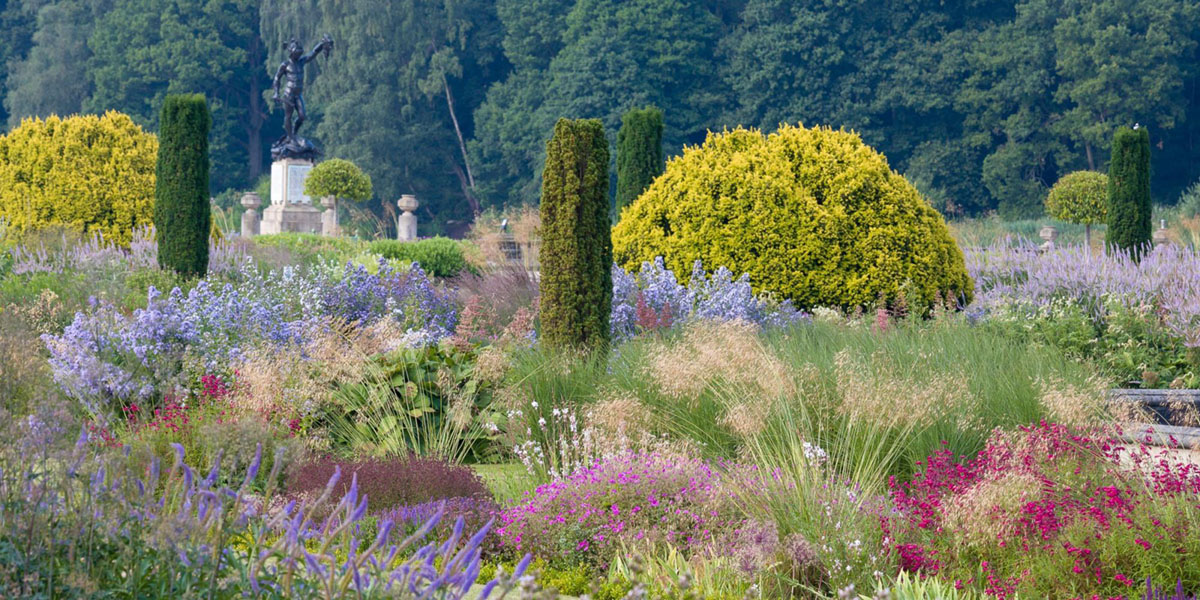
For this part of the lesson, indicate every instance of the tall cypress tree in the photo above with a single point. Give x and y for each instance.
(182, 220)
(1129, 227)
(576, 253)
(639, 153)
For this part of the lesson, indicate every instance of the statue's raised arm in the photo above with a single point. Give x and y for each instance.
(326, 45)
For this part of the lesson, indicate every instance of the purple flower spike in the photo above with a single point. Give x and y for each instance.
(252, 471)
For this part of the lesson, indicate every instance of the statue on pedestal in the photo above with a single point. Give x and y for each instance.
(291, 74)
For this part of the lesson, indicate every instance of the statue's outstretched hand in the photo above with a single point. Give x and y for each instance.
(327, 42)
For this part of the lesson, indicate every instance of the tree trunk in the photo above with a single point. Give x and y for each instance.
(1091, 161)
(1087, 238)
(472, 201)
(462, 144)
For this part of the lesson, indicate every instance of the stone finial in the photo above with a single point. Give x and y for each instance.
(406, 224)
(1049, 233)
(250, 219)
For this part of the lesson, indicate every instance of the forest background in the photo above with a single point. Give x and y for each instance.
(982, 104)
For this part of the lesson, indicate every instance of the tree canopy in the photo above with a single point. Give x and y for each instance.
(982, 104)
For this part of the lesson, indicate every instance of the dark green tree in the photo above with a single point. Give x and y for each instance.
(613, 55)
(1129, 227)
(639, 153)
(143, 50)
(576, 254)
(52, 77)
(182, 217)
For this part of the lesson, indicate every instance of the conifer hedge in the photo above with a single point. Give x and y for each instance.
(639, 153)
(1129, 227)
(576, 252)
(182, 218)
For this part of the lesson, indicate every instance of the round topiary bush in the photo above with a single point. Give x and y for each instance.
(92, 173)
(1080, 197)
(339, 178)
(813, 215)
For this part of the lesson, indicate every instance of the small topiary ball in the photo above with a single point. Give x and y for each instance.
(813, 215)
(1080, 197)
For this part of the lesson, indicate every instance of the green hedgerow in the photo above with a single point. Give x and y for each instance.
(576, 253)
(438, 256)
(813, 215)
(182, 218)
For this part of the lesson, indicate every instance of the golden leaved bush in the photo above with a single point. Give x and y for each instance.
(88, 172)
(813, 215)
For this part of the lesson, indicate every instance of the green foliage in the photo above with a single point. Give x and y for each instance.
(311, 248)
(90, 173)
(182, 218)
(438, 256)
(1129, 207)
(814, 215)
(339, 178)
(1189, 201)
(576, 254)
(639, 153)
(425, 401)
(1080, 197)
(1127, 344)
(143, 50)
(51, 78)
(599, 58)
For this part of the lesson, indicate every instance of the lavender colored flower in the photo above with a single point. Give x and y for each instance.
(654, 289)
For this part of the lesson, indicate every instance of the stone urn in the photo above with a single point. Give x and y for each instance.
(250, 218)
(1049, 233)
(406, 223)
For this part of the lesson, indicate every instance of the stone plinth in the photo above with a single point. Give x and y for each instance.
(291, 210)
(329, 218)
(406, 223)
(250, 219)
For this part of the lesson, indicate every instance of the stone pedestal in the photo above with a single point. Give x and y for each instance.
(406, 224)
(1161, 236)
(291, 210)
(250, 218)
(329, 218)
(1048, 234)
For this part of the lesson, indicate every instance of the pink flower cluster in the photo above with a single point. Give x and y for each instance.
(627, 498)
(1046, 507)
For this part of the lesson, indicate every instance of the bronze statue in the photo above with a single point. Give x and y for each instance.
(291, 145)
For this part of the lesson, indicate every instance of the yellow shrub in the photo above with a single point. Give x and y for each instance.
(87, 172)
(813, 215)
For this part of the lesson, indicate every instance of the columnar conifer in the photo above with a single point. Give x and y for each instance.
(182, 220)
(576, 253)
(1129, 192)
(639, 153)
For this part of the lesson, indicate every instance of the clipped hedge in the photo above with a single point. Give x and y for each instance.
(576, 254)
(182, 216)
(813, 215)
(91, 173)
(1129, 207)
(438, 256)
